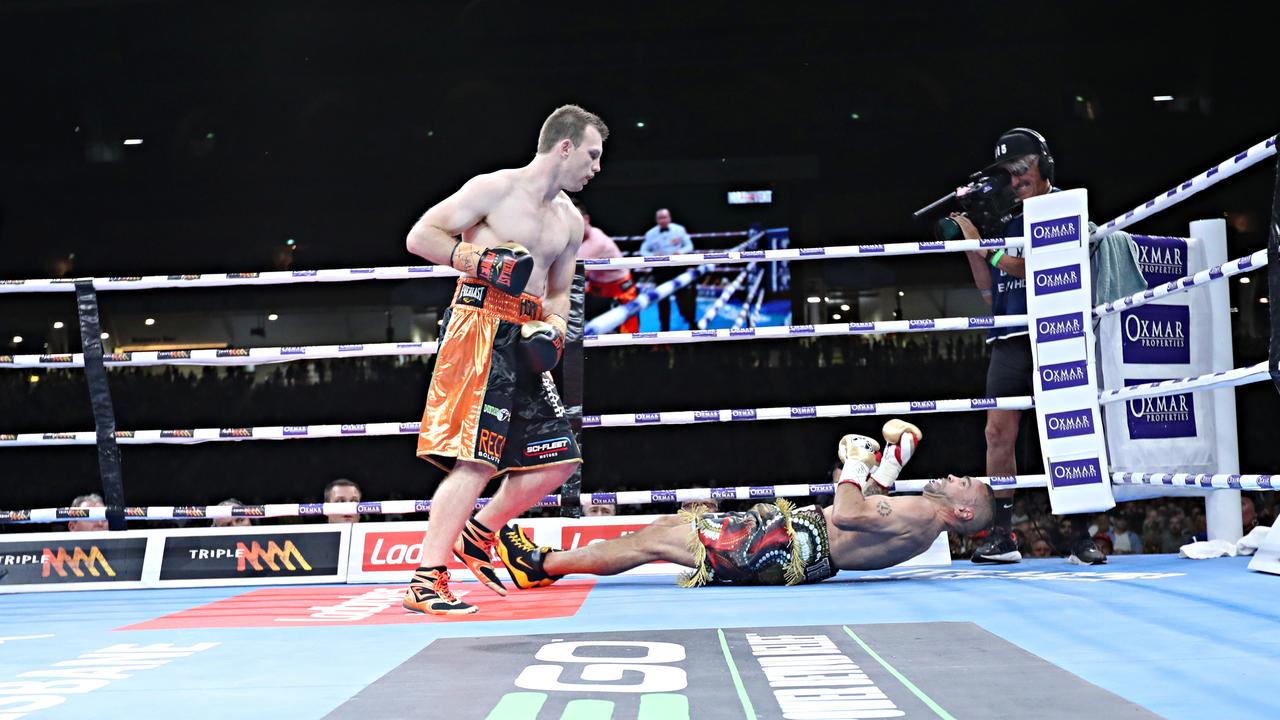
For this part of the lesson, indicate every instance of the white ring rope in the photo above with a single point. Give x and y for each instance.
(268, 355)
(1235, 267)
(819, 253)
(725, 295)
(275, 277)
(822, 330)
(192, 436)
(799, 412)
(224, 357)
(1208, 178)
(1225, 378)
(623, 497)
(693, 236)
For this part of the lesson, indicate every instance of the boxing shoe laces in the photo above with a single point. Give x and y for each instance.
(473, 548)
(429, 594)
(523, 558)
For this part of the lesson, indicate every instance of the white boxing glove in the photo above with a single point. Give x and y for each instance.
(859, 454)
(901, 439)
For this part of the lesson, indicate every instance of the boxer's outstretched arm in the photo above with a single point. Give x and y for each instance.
(432, 237)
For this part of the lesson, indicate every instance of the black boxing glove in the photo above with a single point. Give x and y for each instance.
(507, 266)
(542, 343)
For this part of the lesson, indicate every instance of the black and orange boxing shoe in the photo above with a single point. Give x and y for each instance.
(429, 594)
(523, 558)
(474, 548)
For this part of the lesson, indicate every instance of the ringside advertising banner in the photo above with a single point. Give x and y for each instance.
(253, 556)
(66, 558)
(1166, 339)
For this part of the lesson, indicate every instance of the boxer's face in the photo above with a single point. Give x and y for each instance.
(581, 163)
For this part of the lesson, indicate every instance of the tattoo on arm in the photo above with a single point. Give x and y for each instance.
(874, 488)
(884, 508)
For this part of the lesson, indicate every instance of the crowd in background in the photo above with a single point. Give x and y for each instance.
(848, 369)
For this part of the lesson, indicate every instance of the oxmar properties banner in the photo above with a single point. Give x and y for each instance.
(1162, 340)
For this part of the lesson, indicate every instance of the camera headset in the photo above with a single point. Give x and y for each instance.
(1046, 158)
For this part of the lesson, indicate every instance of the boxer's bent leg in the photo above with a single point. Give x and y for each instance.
(521, 491)
(666, 539)
(451, 505)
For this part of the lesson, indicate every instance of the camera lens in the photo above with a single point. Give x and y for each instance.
(947, 229)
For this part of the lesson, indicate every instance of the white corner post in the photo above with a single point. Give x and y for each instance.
(1222, 507)
(1060, 314)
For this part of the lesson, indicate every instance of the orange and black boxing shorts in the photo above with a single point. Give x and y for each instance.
(603, 296)
(484, 405)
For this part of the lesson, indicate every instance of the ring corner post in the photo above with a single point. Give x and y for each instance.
(1060, 314)
(104, 418)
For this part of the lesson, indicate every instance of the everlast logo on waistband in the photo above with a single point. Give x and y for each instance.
(473, 295)
(1056, 280)
(1161, 260)
(1069, 424)
(1063, 375)
(1055, 232)
(1075, 472)
(1162, 417)
(1060, 327)
(1156, 334)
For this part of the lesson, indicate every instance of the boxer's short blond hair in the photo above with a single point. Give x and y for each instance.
(569, 121)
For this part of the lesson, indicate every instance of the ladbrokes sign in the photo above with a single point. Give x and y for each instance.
(267, 555)
(98, 561)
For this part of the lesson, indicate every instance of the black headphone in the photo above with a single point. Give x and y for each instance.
(1046, 158)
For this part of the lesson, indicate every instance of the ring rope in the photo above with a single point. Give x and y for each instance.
(622, 497)
(266, 355)
(1226, 378)
(1206, 179)
(1235, 267)
(688, 417)
(274, 277)
(730, 290)
(223, 357)
(694, 236)
(192, 436)
(818, 253)
(281, 277)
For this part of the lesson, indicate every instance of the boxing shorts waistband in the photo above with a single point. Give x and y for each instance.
(478, 294)
(610, 289)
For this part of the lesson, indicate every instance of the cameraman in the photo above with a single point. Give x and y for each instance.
(1000, 277)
